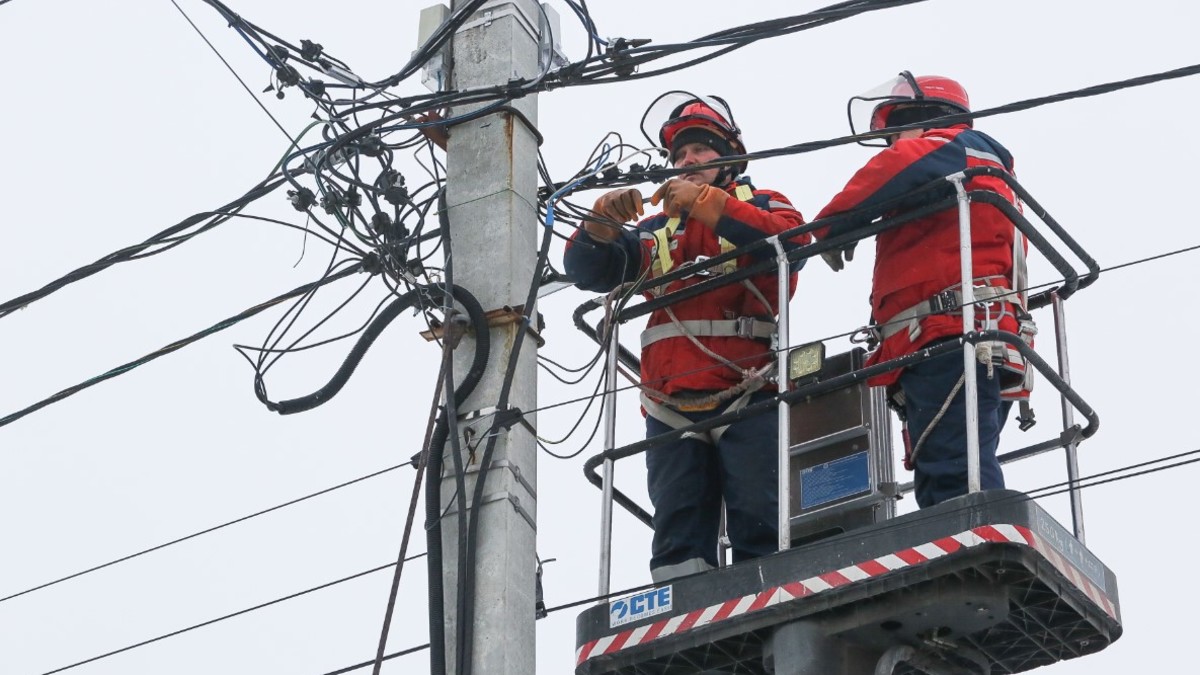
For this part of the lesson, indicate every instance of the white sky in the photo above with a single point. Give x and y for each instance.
(118, 122)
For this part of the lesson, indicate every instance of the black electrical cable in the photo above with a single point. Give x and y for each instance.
(1094, 480)
(368, 337)
(835, 336)
(340, 245)
(422, 462)
(620, 64)
(242, 349)
(464, 664)
(386, 255)
(600, 381)
(231, 70)
(177, 345)
(277, 56)
(1115, 475)
(433, 537)
(958, 118)
(269, 355)
(450, 413)
(224, 617)
(433, 493)
(138, 250)
(662, 173)
(389, 657)
(434, 452)
(440, 37)
(209, 530)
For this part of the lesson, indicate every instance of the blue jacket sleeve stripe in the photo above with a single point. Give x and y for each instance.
(943, 161)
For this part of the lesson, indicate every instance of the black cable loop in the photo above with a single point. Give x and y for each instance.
(368, 337)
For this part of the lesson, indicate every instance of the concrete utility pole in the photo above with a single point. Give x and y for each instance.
(492, 206)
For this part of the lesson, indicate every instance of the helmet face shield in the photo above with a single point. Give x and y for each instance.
(868, 111)
(885, 105)
(675, 111)
(678, 111)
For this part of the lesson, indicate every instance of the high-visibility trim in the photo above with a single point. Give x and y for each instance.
(985, 156)
(746, 327)
(856, 573)
(664, 263)
(662, 240)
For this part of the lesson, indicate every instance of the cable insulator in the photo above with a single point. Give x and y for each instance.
(288, 76)
(302, 199)
(310, 51)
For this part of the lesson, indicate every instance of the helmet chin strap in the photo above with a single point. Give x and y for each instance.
(724, 177)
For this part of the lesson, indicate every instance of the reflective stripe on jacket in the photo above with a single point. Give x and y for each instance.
(917, 260)
(676, 364)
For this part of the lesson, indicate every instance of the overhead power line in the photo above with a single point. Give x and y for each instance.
(835, 336)
(167, 239)
(1124, 473)
(234, 72)
(231, 615)
(1139, 469)
(389, 657)
(209, 530)
(178, 344)
(339, 191)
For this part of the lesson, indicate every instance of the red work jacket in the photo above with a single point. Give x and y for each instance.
(676, 364)
(917, 260)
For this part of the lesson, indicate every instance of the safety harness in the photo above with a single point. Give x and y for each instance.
(664, 237)
(667, 408)
(995, 300)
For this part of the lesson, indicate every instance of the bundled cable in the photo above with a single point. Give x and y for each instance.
(368, 337)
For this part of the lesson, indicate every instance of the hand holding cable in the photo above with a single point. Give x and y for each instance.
(705, 203)
(619, 206)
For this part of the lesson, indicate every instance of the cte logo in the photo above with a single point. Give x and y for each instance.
(640, 606)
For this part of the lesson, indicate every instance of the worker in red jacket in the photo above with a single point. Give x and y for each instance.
(917, 282)
(705, 355)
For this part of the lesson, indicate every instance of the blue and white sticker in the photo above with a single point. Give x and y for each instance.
(640, 606)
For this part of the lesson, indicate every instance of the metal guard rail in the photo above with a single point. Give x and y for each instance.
(824, 386)
(1072, 280)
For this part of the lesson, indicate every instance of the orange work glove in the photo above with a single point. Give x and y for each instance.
(702, 202)
(620, 206)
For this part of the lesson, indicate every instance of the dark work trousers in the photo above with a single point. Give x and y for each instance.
(940, 469)
(687, 479)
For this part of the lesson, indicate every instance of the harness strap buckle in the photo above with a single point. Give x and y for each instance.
(867, 335)
(946, 301)
(697, 261)
(745, 327)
